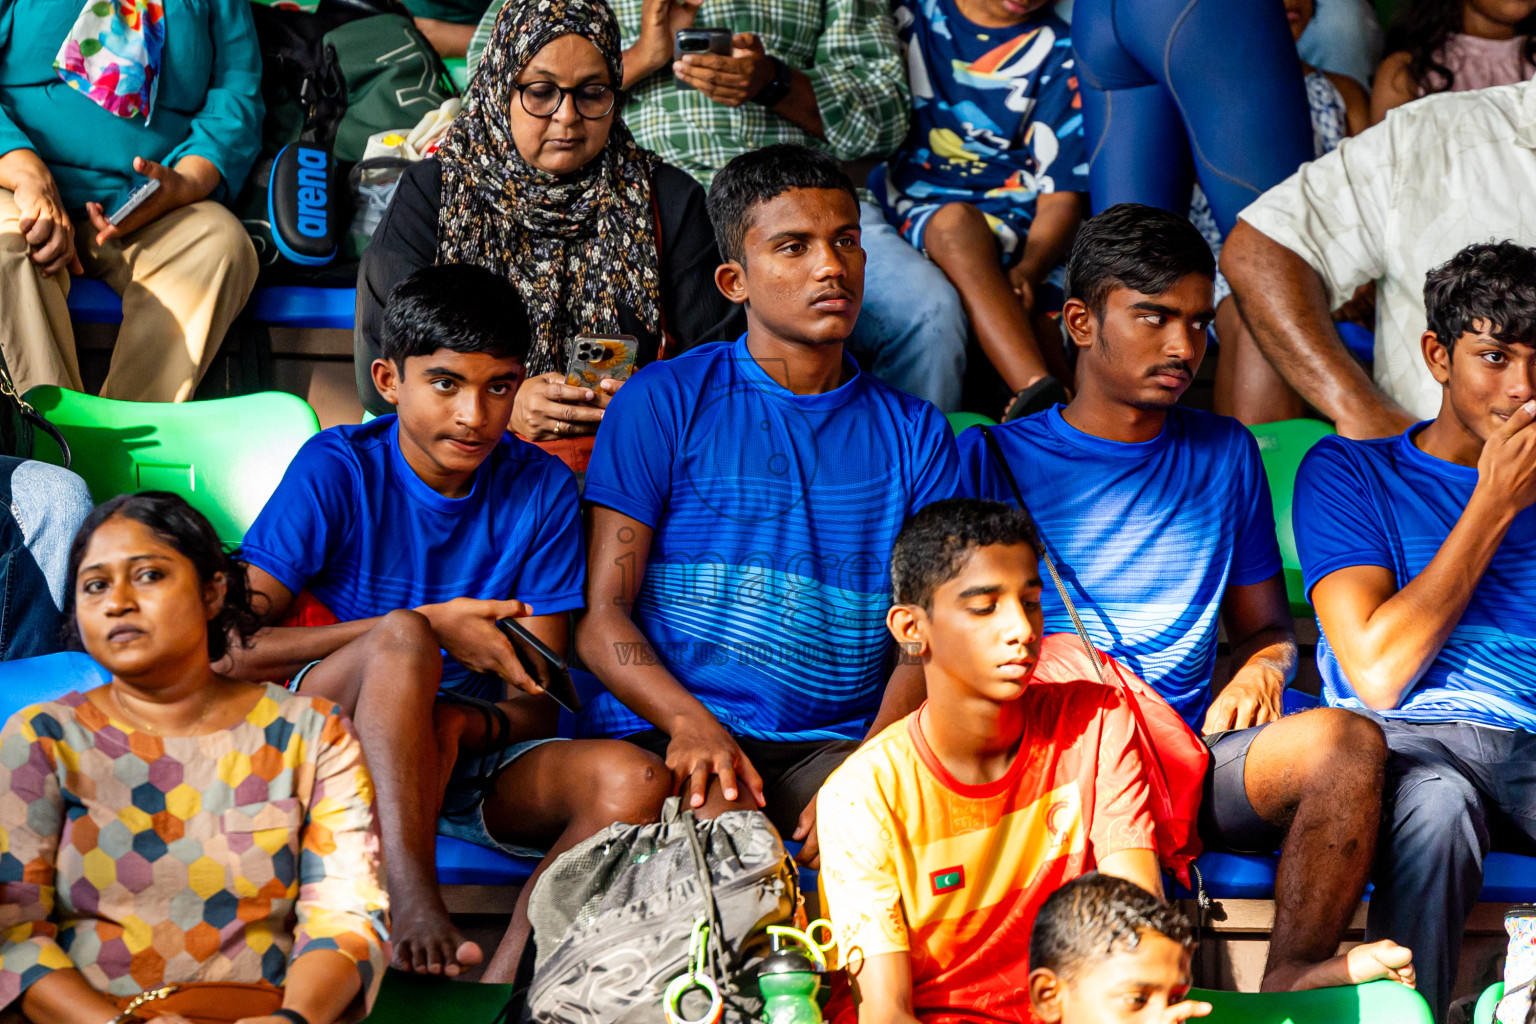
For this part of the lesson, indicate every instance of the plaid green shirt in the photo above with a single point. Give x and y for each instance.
(846, 47)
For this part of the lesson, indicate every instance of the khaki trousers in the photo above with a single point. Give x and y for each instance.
(183, 279)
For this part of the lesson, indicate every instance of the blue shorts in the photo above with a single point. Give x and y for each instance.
(463, 813)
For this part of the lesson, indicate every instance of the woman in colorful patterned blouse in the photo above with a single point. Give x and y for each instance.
(175, 826)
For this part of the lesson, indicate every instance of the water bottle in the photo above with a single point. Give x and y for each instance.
(789, 980)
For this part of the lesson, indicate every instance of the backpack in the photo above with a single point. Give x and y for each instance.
(616, 918)
(332, 77)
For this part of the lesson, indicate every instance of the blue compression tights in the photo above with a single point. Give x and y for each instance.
(1176, 91)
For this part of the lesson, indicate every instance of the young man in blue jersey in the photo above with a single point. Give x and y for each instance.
(1161, 519)
(411, 535)
(1418, 552)
(744, 501)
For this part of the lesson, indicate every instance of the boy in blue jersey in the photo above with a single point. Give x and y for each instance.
(990, 183)
(1161, 519)
(744, 500)
(1418, 552)
(411, 535)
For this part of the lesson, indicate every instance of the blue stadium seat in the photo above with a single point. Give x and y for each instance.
(461, 863)
(1360, 342)
(93, 302)
(31, 680)
(1507, 877)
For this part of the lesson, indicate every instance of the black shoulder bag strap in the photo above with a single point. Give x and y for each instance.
(996, 452)
(31, 417)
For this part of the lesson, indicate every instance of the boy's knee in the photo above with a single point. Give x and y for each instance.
(630, 784)
(1345, 747)
(953, 226)
(403, 632)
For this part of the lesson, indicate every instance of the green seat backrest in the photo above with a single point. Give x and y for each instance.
(1380, 1002)
(1282, 446)
(423, 999)
(224, 456)
(1488, 1003)
(959, 421)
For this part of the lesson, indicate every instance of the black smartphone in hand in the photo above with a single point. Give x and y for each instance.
(700, 40)
(543, 665)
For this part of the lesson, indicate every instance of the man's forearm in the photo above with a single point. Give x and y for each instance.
(1406, 633)
(614, 649)
(277, 652)
(1269, 650)
(1285, 304)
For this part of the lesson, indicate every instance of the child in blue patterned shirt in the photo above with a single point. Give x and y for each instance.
(988, 182)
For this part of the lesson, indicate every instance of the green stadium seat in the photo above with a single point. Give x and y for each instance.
(458, 70)
(224, 456)
(421, 998)
(1380, 1002)
(1488, 1003)
(959, 421)
(1282, 446)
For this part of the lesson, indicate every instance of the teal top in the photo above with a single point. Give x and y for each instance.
(208, 104)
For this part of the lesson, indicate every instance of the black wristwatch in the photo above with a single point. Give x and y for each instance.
(293, 1016)
(772, 94)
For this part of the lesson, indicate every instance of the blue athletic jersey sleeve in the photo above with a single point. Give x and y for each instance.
(312, 508)
(936, 458)
(1386, 503)
(1148, 536)
(352, 524)
(1334, 515)
(553, 570)
(766, 584)
(630, 470)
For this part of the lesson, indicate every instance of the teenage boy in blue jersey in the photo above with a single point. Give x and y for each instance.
(1161, 519)
(414, 533)
(744, 501)
(1418, 552)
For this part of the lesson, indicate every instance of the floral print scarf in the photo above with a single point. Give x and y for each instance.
(112, 55)
(579, 247)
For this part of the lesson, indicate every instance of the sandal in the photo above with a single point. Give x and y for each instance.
(1043, 394)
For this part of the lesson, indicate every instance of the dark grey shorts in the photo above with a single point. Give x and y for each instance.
(792, 772)
(1228, 821)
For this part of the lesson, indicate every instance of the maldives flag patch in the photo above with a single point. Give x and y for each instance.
(947, 879)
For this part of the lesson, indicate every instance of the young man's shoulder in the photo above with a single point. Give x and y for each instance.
(1335, 456)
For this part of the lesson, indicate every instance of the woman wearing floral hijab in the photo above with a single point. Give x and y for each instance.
(539, 180)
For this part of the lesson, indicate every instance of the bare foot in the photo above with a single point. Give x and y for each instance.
(1372, 961)
(426, 942)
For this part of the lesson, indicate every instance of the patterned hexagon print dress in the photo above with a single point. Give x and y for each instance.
(141, 860)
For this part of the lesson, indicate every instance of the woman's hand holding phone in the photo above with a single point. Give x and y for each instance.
(547, 408)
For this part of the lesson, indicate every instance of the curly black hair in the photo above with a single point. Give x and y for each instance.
(1096, 916)
(1491, 282)
(189, 532)
(1421, 30)
(932, 548)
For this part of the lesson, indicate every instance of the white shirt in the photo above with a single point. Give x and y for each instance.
(1398, 200)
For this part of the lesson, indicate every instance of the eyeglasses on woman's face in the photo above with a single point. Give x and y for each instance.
(593, 101)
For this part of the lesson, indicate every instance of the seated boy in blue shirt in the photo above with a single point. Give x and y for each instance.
(413, 534)
(1161, 519)
(990, 179)
(1417, 551)
(744, 499)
